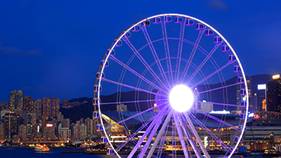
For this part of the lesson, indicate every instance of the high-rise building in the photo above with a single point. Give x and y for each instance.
(49, 131)
(28, 105)
(55, 108)
(46, 108)
(10, 125)
(16, 101)
(83, 131)
(22, 132)
(50, 108)
(75, 131)
(274, 94)
(65, 123)
(38, 108)
(90, 127)
(30, 131)
(2, 132)
(79, 130)
(64, 131)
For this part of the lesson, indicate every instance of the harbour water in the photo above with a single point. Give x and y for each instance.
(7, 152)
(14, 152)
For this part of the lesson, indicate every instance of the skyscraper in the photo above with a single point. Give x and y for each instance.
(50, 108)
(16, 101)
(46, 109)
(55, 107)
(274, 94)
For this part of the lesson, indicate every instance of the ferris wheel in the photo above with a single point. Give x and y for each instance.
(171, 86)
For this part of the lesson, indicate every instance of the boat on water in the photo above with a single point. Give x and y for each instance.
(41, 148)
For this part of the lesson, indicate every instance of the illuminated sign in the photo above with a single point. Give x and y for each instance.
(261, 86)
(49, 125)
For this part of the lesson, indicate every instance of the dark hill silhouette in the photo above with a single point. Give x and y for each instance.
(83, 108)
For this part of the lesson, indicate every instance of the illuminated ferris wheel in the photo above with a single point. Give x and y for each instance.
(172, 86)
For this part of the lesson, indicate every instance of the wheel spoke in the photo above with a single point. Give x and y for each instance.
(193, 51)
(209, 55)
(143, 61)
(185, 152)
(212, 74)
(217, 119)
(180, 46)
(221, 87)
(161, 146)
(131, 101)
(154, 54)
(136, 115)
(166, 47)
(127, 67)
(210, 132)
(154, 123)
(141, 128)
(198, 139)
(174, 152)
(128, 86)
(148, 142)
(189, 138)
(223, 104)
(132, 136)
(155, 143)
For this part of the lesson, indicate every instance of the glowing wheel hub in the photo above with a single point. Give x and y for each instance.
(181, 98)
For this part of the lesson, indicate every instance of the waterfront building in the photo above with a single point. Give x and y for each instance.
(64, 132)
(49, 131)
(11, 125)
(2, 132)
(262, 133)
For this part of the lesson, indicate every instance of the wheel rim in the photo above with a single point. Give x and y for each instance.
(162, 69)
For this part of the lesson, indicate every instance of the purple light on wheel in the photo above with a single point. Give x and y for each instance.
(181, 98)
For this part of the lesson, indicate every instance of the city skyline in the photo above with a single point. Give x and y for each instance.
(40, 50)
(42, 121)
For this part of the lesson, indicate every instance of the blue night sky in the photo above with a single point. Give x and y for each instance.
(53, 47)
